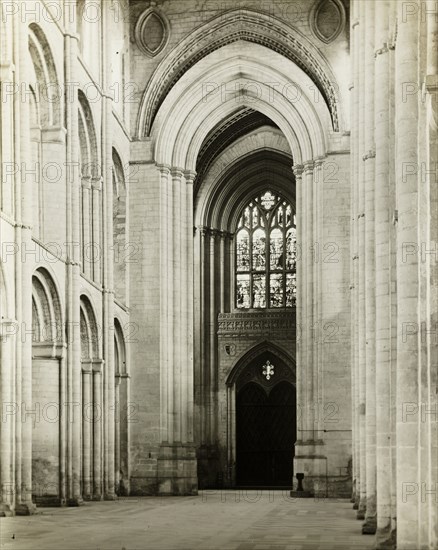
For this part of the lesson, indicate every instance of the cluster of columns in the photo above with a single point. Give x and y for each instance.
(393, 277)
(309, 208)
(214, 288)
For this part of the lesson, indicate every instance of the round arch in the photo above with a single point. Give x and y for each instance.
(46, 307)
(89, 330)
(48, 94)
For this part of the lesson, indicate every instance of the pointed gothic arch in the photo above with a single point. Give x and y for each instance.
(244, 25)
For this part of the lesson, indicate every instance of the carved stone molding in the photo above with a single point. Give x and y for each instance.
(228, 28)
(256, 323)
(327, 20)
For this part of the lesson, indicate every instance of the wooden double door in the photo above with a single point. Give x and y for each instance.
(265, 434)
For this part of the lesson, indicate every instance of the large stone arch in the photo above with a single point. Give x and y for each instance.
(92, 402)
(121, 443)
(243, 71)
(239, 25)
(48, 383)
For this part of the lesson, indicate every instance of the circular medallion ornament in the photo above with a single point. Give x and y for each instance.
(152, 31)
(327, 19)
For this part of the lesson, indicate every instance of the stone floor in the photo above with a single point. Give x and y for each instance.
(221, 520)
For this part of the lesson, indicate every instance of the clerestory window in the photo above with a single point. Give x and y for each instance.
(266, 254)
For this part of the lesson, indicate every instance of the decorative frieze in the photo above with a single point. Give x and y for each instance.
(256, 323)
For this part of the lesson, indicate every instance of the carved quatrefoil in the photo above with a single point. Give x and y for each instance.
(327, 19)
(152, 31)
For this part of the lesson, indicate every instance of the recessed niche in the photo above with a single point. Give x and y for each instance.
(327, 20)
(152, 32)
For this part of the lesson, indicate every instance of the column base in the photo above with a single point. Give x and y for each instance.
(49, 501)
(26, 509)
(5, 510)
(361, 513)
(386, 539)
(76, 501)
(311, 460)
(370, 526)
(177, 470)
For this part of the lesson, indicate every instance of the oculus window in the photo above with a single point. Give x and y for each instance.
(266, 254)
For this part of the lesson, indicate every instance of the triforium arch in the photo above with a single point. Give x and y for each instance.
(261, 420)
(90, 192)
(120, 224)
(46, 134)
(48, 386)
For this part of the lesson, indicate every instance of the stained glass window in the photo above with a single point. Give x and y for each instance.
(266, 254)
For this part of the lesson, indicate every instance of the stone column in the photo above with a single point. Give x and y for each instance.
(308, 257)
(177, 456)
(188, 432)
(301, 350)
(164, 301)
(23, 282)
(362, 265)
(98, 252)
(406, 136)
(87, 428)
(212, 411)
(177, 302)
(222, 274)
(369, 526)
(383, 88)
(74, 376)
(202, 320)
(98, 421)
(354, 284)
(86, 226)
(107, 247)
(7, 341)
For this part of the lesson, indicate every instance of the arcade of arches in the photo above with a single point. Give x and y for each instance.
(218, 261)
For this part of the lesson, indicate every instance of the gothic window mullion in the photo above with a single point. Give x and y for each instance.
(265, 267)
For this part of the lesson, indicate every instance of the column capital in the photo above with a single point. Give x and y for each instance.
(86, 366)
(319, 161)
(96, 183)
(164, 169)
(214, 232)
(177, 173)
(309, 166)
(190, 176)
(297, 169)
(86, 182)
(203, 230)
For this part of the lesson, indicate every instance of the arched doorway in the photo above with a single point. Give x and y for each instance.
(265, 422)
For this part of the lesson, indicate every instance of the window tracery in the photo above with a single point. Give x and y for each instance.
(266, 254)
